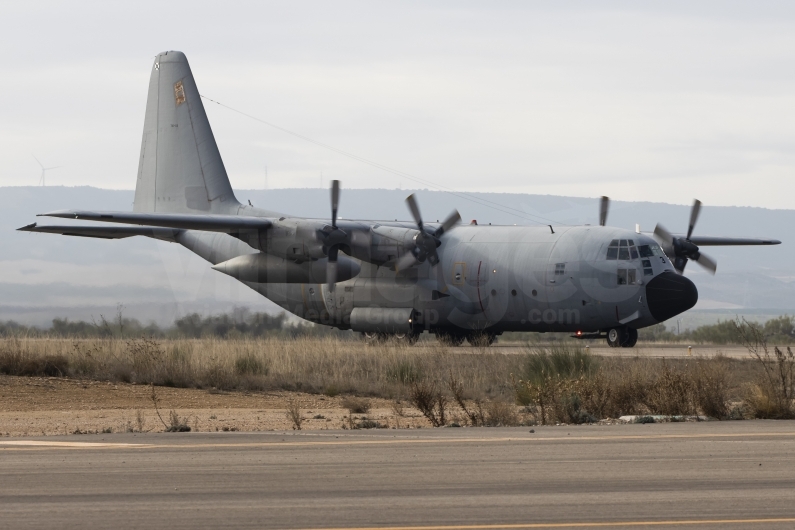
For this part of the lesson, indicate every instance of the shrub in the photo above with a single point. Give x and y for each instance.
(431, 401)
(670, 393)
(177, 423)
(571, 410)
(772, 395)
(356, 405)
(501, 414)
(711, 386)
(293, 414)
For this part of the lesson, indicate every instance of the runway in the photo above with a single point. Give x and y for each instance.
(705, 475)
(669, 351)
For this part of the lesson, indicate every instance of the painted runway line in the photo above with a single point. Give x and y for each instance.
(594, 524)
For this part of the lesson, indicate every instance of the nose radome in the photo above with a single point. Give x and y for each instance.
(670, 294)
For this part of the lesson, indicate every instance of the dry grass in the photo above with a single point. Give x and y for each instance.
(478, 388)
(325, 366)
(612, 387)
(772, 393)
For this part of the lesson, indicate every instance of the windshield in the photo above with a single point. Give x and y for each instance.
(647, 251)
(622, 249)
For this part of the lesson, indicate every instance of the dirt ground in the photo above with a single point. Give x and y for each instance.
(52, 405)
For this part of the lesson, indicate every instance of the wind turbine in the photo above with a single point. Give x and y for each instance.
(43, 170)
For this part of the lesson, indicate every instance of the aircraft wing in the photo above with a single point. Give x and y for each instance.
(706, 241)
(211, 223)
(105, 232)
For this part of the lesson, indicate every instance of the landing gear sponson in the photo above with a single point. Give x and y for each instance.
(445, 337)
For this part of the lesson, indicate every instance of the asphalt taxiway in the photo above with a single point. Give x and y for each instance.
(705, 475)
(642, 350)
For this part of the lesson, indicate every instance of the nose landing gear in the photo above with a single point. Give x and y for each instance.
(622, 337)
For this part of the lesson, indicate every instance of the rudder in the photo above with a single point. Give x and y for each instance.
(180, 169)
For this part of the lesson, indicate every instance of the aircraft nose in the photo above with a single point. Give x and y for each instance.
(670, 294)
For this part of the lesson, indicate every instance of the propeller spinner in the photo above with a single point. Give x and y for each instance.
(425, 243)
(681, 248)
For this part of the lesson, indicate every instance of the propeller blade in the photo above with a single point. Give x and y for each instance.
(663, 235)
(694, 211)
(708, 263)
(331, 267)
(604, 206)
(335, 201)
(406, 261)
(415, 210)
(666, 241)
(453, 219)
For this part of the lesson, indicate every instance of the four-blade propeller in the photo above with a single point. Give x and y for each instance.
(682, 248)
(426, 242)
(333, 239)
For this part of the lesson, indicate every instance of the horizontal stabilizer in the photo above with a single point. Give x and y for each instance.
(105, 232)
(210, 223)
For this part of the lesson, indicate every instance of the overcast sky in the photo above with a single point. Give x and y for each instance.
(640, 102)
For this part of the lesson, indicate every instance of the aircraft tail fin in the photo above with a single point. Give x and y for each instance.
(180, 168)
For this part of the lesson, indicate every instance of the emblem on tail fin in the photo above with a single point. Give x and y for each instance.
(179, 93)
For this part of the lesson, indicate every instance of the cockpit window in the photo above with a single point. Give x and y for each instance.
(647, 251)
(622, 249)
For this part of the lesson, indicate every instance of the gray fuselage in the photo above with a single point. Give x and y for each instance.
(501, 278)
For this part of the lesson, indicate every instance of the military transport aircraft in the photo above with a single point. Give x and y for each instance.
(394, 279)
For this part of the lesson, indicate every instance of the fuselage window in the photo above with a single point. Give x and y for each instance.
(647, 270)
(560, 269)
(627, 276)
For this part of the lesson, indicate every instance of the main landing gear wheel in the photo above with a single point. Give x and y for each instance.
(632, 338)
(373, 338)
(616, 337)
(622, 337)
(409, 338)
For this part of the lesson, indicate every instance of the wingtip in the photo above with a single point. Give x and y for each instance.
(27, 228)
(58, 213)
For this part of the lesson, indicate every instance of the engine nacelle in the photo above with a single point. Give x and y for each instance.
(265, 268)
(382, 244)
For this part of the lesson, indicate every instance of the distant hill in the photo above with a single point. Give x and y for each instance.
(44, 276)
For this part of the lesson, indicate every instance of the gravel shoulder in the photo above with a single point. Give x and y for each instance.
(51, 405)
